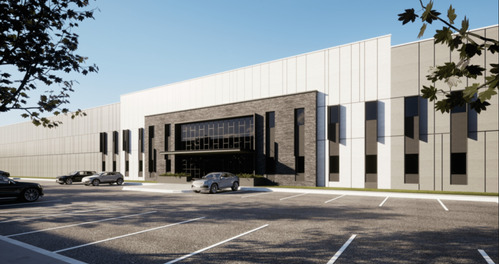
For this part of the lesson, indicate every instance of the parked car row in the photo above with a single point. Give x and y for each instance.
(91, 178)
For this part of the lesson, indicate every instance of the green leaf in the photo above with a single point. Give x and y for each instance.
(429, 92)
(465, 26)
(470, 91)
(486, 94)
(407, 16)
(451, 15)
(422, 30)
(443, 36)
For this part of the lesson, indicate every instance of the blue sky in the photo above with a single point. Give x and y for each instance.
(144, 44)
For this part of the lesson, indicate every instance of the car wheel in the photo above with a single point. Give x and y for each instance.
(31, 195)
(119, 181)
(213, 188)
(95, 182)
(69, 181)
(235, 186)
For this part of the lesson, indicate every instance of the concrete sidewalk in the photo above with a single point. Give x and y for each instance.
(186, 188)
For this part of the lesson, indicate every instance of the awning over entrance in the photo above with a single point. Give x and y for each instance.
(206, 152)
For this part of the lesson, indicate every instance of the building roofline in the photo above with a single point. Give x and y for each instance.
(427, 39)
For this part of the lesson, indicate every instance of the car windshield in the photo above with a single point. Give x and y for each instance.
(211, 176)
(73, 172)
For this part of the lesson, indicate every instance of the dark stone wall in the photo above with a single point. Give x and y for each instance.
(283, 106)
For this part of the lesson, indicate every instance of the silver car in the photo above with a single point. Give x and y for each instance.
(215, 181)
(103, 177)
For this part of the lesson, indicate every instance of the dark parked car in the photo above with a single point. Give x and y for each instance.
(215, 181)
(4, 173)
(104, 177)
(26, 191)
(75, 176)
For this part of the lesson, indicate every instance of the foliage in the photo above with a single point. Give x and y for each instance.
(468, 45)
(248, 175)
(180, 174)
(37, 49)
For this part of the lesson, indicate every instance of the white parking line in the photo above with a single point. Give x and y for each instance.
(335, 198)
(50, 215)
(486, 257)
(383, 202)
(122, 236)
(214, 245)
(442, 204)
(293, 196)
(255, 194)
(337, 255)
(85, 223)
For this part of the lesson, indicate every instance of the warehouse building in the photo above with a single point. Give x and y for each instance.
(346, 116)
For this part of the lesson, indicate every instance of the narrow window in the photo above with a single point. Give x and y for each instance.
(299, 140)
(333, 141)
(270, 143)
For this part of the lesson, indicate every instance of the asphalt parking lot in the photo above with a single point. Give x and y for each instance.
(105, 224)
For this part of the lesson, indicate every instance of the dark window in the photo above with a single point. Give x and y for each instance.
(458, 163)
(115, 142)
(371, 163)
(411, 163)
(103, 142)
(141, 140)
(299, 165)
(140, 165)
(103, 166)
(218, 134)
(167, 136)
(333, 120)
(299, 140)
(114, 165)
(334, 164)
(126, 166)
(411, 106)
(409, 127)
(126, 140)
(371, 110)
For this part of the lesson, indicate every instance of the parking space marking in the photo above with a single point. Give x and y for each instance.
(127, 235)
(215, 245)
(341, 250)
(50, 215)
(383, 202)
(255, 194)
(486, 257)
(442, 204)
(293, 196)
(331, 200)
(85, 223)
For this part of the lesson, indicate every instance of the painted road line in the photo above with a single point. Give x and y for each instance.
(383, 202)
(127, 235)
(85, 223)
(337, 255)
(335, 198)
(255, 194)
(442, 204)
(293, 196)
(50, 215)
(215, 245)
(39, 251)
(486, 257)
